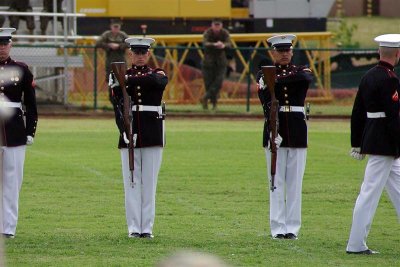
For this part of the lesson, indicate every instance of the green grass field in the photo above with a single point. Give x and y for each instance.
(212, 197)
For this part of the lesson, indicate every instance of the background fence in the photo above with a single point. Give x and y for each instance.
(75, 75)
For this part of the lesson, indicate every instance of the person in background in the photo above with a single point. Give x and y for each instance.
(292, 83)
(21, 6)
(113, 43)
(48, 8)
(215, 40)
(16, 86)
(375, 131)
(145, 87)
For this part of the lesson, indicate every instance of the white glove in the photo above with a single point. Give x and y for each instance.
(126, 140)
(112, 82)
(261, 83)
(134, 139)
(278, 141)
(355, 153)
(29, 140)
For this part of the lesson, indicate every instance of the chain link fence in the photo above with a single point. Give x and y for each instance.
(74, 75)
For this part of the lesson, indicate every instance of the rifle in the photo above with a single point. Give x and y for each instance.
(273, 120)
(119, 69)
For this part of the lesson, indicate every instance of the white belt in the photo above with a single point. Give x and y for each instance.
(291, 109)
(147, 108)
(375, 115)
(8, 104)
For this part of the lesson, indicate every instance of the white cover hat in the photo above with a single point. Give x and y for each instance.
(281, 41)
(139, 42)
(5, 34)
(388, 40)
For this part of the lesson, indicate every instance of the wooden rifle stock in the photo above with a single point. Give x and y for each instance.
(119, 69)
(273, 120)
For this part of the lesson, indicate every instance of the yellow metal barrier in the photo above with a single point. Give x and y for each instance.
(186, 84)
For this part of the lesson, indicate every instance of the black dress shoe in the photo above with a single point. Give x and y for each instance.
(147, 235)
(364, 252)
(291, 236)
(204, 104)
(134, 235)
(279, 236)
(10, 236)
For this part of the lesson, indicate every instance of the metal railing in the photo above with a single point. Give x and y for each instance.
(87, 81)
(59, 41)
(176, 50)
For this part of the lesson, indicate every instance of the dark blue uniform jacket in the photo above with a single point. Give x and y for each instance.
(378, 92)
(16, 84)
(145, 87)
(291, 87)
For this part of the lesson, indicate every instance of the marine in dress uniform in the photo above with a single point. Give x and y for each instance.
(113, 43)
(145, 86)
(291, 87)
(215, 40)
(375, 130)
(16, 85)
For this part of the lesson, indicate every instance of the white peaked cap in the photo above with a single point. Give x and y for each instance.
(388, 40)
(139, 42)
(5, 34)
(283, 40)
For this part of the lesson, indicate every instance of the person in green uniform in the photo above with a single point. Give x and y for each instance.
(113, 43)
(49, 8)
(215, 40)
(21, 6)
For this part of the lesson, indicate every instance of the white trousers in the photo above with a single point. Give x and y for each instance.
(13, 171)
(285, 201)
(380, 172)
(140, 200)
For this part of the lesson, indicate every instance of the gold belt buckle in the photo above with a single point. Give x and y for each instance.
(286, 109)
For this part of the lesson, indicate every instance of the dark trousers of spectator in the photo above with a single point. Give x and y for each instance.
(14, 20)
(2, 20)
(44, 22)
(213, 75)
